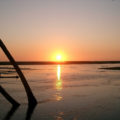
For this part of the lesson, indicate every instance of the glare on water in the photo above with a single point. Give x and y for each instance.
(59, 81)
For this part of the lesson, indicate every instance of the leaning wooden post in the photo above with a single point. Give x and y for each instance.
(8, 97)
(30, 96)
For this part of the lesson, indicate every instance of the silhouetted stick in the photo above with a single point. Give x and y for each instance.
(31, 98)
(8, 97)
(11, 112)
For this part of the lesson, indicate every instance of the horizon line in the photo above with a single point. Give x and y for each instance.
(59, 62)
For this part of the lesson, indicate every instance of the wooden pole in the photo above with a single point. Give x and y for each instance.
(8, 97)
(30, 96)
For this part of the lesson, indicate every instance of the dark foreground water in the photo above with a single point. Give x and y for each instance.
(65, 92)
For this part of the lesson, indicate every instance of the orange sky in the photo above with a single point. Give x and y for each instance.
(80, 30)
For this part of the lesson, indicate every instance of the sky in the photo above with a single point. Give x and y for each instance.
(37, 30)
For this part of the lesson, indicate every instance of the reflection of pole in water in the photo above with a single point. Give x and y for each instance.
(10, 113)
(30, 111)
(59, 81)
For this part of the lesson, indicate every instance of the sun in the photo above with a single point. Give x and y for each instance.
(59, 57)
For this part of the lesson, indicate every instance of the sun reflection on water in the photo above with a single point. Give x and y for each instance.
(59, 81)
(58, 84)
(59, 116)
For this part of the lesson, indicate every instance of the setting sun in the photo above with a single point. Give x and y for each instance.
(58, 57)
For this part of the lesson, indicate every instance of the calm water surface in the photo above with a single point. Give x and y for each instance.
(65, 92)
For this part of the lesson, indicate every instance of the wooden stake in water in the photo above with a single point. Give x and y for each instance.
(30, 96)
(8, 97)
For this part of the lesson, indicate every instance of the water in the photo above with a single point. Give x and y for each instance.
(65, 92)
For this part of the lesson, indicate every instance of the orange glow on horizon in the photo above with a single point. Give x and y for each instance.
(59, 57)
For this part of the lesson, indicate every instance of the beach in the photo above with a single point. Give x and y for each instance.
(64, 92)
(60, 60)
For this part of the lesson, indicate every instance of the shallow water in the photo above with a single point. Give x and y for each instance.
(65, 92)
